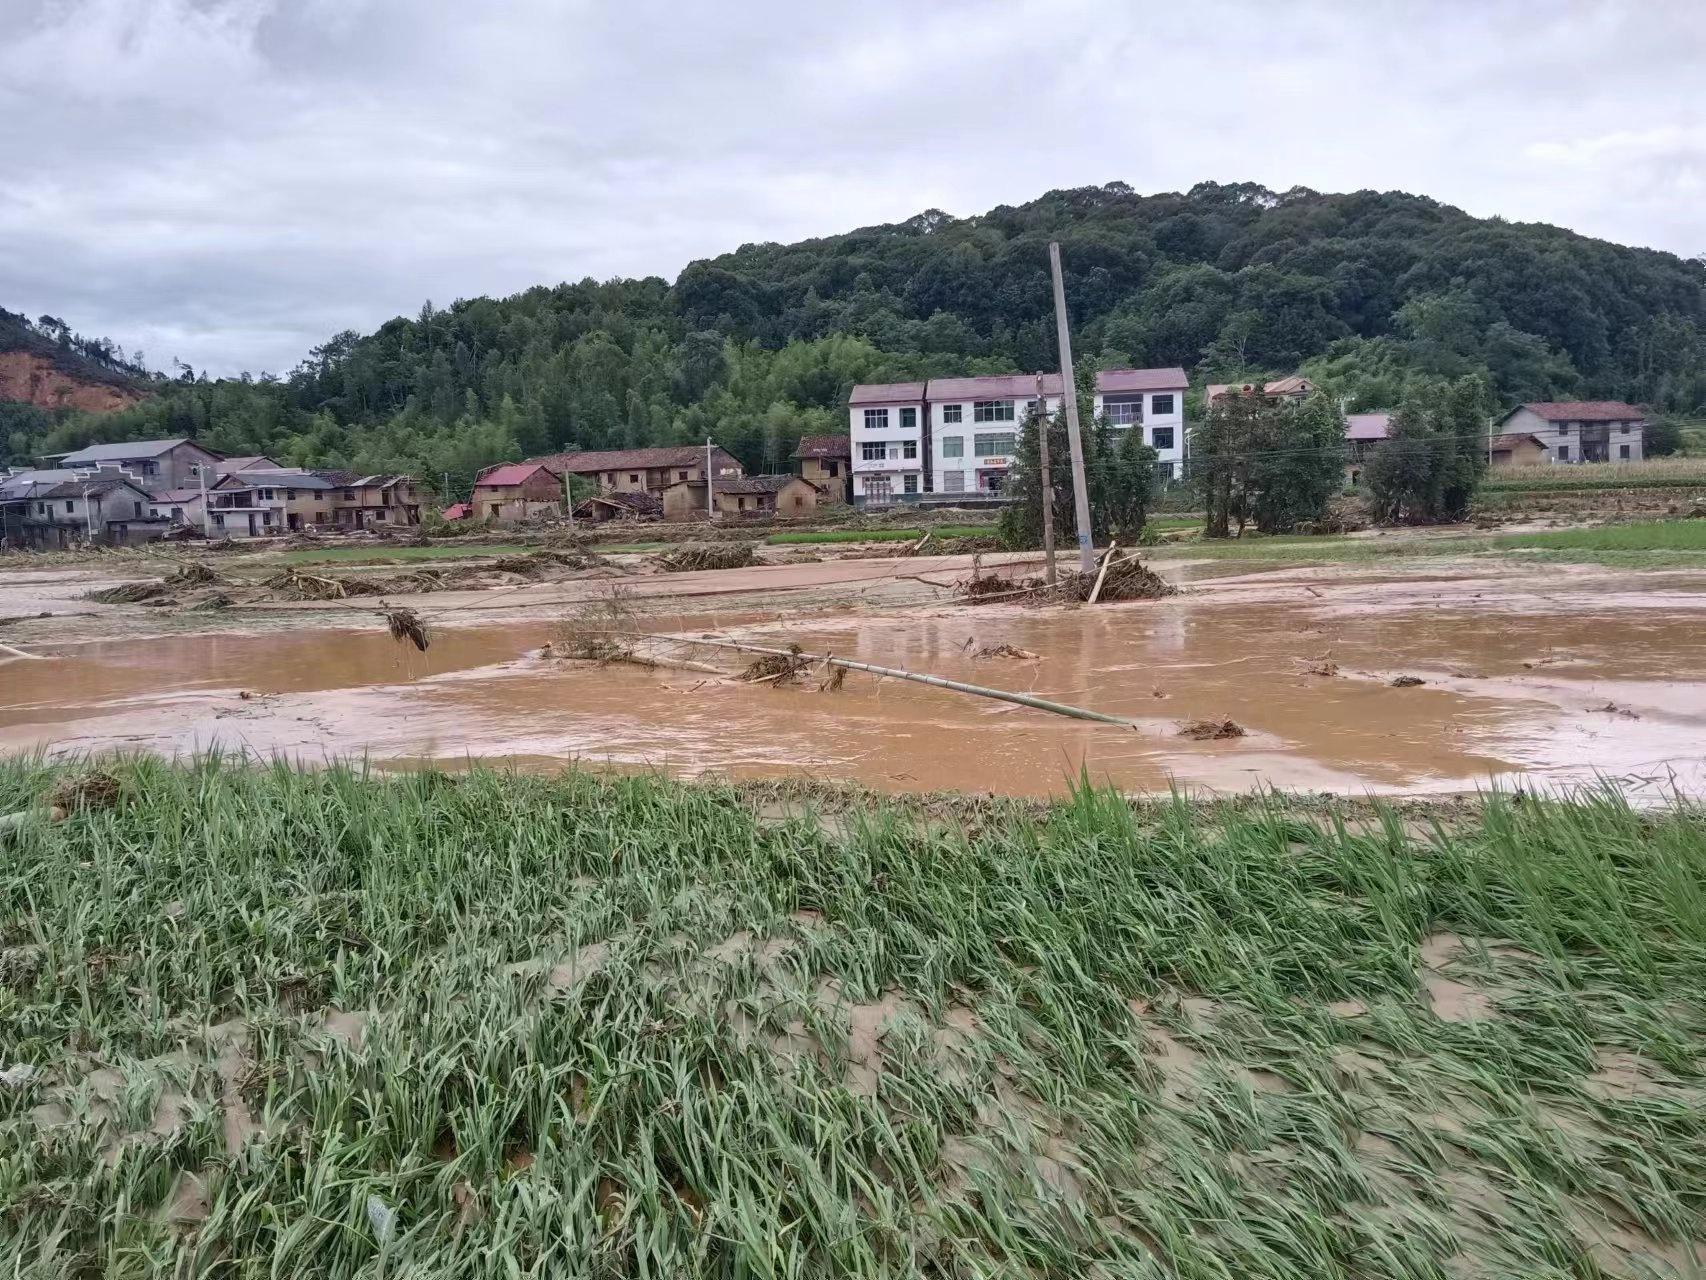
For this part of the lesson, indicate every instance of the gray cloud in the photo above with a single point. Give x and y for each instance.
(231, 181)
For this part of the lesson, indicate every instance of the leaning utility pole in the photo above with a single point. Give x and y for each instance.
(1048, 483)
(569, 498)
(206, 515)
(710, 502)
(1080, 495)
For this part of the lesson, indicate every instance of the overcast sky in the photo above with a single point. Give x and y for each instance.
(232, 181)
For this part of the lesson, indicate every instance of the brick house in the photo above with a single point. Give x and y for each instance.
(827, 461)
(645, 470)
(517, 490)
(789, 497)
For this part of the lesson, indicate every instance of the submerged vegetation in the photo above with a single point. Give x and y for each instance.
(269, 1022)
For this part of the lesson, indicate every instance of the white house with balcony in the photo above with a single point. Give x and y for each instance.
(1151, 401)
(890, 447)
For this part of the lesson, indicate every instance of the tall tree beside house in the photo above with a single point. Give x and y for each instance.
(1119, 476)
(1427, 470)
(1262, 460)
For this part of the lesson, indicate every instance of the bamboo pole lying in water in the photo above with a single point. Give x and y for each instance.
(939, 682)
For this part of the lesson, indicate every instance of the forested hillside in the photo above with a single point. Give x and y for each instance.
(1367, 292)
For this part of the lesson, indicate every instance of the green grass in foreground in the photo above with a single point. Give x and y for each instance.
(437, 551)
(881, 535)
(1645, 535)
(1307, 547)
(281, 1023)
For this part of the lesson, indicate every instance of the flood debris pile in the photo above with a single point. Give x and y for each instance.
(1211, 730)
(709, 555)
(777, 668)
(1003, 651)
(1124, 577)
(406, 626)
(181, 586)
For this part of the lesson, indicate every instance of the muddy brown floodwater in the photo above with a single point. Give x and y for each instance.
(1547, 677)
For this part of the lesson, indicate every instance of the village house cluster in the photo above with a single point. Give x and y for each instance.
(140, 490)
(949, 441)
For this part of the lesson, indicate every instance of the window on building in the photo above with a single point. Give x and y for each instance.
(633, 478)
(876, 419)
(177, 513)
(992, 411)
(138, 505)
(681, 475)
(1161, 437)
(1623, 452)
(69, 506)
(993, 446)
(1125, 413)
(1624, 428)
(909, 417)
(830, 468)
(909, 448)
(909, 484)
(1563, 428)
(952, 412)
(873, 450)
(349, 495)
(1161, 406)
(953, 482)
(1563, 453)
(953, 446)
(319, 517)
(1164, 470)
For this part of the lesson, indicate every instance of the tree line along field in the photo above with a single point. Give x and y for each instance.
(263, 1022)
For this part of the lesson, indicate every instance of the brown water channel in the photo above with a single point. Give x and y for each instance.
(1552, 683)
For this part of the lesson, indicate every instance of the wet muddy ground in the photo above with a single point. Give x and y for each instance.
(1541, 677)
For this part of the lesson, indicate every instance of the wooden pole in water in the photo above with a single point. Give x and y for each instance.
(939, 682)
(1048, 484)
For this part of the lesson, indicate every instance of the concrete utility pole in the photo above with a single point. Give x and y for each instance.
(1080, 494)
(569, 500)
(710, 502)
(1048, 484)
(206, 515)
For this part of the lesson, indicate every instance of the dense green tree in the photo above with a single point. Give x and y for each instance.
(1427, 470)
(1119, 476)
(1262, 460)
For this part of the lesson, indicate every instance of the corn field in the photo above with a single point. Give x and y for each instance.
(261, 1022)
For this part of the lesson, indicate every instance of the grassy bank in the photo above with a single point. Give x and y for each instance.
(281, 1023)
(1644, 535)
(880, 535)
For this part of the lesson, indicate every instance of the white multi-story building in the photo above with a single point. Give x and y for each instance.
(974, 427)
(886, 424)
(1151, 401)
(960, 435)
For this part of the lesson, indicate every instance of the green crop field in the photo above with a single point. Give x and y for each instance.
(1660, 473)
(1646, 535)
(279, 1023)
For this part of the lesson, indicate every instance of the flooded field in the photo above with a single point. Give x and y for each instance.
(1544, 676)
